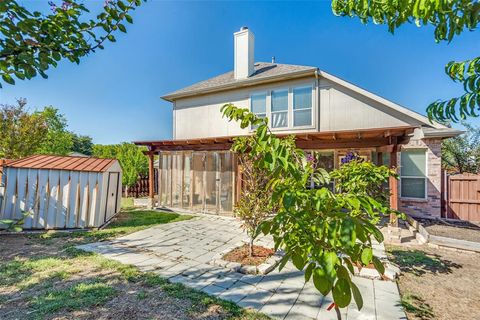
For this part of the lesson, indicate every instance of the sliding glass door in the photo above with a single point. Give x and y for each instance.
(197, 181)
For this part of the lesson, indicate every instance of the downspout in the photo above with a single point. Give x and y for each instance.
(317, 88)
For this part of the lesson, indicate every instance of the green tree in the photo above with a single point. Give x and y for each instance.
(462, 154)
(364, 177)
(105, 151)
(21, 133)
(82, 144)
(59, 140)
(255, 204)
(322, 232)
(131, 158)
(449, 18)
(32, 42)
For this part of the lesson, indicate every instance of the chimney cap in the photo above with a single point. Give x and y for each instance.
(273, 59)
(243, 28)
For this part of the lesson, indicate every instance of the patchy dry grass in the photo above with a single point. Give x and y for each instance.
(438, 283)
(46, 277)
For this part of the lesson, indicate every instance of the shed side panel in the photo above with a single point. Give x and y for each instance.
(84, 201)
(64, 197)
(102, 194)
(73, 207)
(53, 197)
(21, 193)
(43, 191)
(93, 198)
(30, 198)
(10, 187)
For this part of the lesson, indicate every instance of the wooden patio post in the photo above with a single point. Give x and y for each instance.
(393, 184)
(151, 177)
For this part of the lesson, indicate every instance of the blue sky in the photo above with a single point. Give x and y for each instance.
(114, 94)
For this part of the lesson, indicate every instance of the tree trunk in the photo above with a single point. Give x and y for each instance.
(250, 247)
(339, 315)
(126, 191)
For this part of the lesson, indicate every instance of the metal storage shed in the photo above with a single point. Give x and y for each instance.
(61, 192)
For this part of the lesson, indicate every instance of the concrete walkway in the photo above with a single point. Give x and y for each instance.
(182, 251)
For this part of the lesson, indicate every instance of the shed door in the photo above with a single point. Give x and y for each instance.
(112, 189)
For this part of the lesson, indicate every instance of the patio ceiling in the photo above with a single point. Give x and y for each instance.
(361, 138)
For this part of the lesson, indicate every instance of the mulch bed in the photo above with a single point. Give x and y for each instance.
(240, 255)
(461, 230)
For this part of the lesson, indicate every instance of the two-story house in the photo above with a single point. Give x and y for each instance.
(329, 117)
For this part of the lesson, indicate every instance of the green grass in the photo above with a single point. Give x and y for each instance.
(126, 222)
(76, 297)
(126, 203)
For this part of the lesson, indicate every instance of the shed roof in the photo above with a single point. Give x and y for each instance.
(62, 163)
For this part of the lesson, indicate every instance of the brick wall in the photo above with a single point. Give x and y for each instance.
(432, 205)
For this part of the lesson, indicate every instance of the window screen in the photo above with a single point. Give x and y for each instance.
(413, 173)
(279, 108)
(302, 106)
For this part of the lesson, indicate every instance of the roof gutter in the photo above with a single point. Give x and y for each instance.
(242, 83)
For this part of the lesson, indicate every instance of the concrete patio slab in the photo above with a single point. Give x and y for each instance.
(182, 251)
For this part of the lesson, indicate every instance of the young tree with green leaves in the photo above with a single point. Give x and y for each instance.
(21, 133)
(31, 41)
(254, 205)
(322, 232)
(449, 18)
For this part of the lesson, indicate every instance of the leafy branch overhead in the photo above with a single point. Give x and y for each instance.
(449, 18)
(322, 232)
(32, 42)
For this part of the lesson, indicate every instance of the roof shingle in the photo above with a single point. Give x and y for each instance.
(263, 71)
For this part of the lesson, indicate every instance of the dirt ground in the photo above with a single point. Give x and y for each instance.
(438, 283)
(241, 255)
(461, 230)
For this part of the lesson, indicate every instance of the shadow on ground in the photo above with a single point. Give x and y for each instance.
(419, 263)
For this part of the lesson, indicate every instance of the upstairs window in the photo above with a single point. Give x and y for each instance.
(413, 174)
(302, 106)
(279, 108)
(259, 105)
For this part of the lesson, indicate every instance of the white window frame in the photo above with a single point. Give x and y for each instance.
(268, 100)
(425, 196)
(284, 111)
(311, 109)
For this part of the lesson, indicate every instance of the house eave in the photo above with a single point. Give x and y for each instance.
(241, 84)
(373, 137)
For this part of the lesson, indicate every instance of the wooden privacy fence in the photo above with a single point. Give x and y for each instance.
(140, 189)
(462, 197)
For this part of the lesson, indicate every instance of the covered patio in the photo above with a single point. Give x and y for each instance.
(202, 175)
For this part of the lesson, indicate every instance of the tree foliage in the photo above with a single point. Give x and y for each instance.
(82, 144)
(254, 205)
(21, 133)
(449, 18)
(31, 42)
(322, 232)
(58, 140)
(42, 132)
(462, 154)
(131, 158)
(364, 177)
